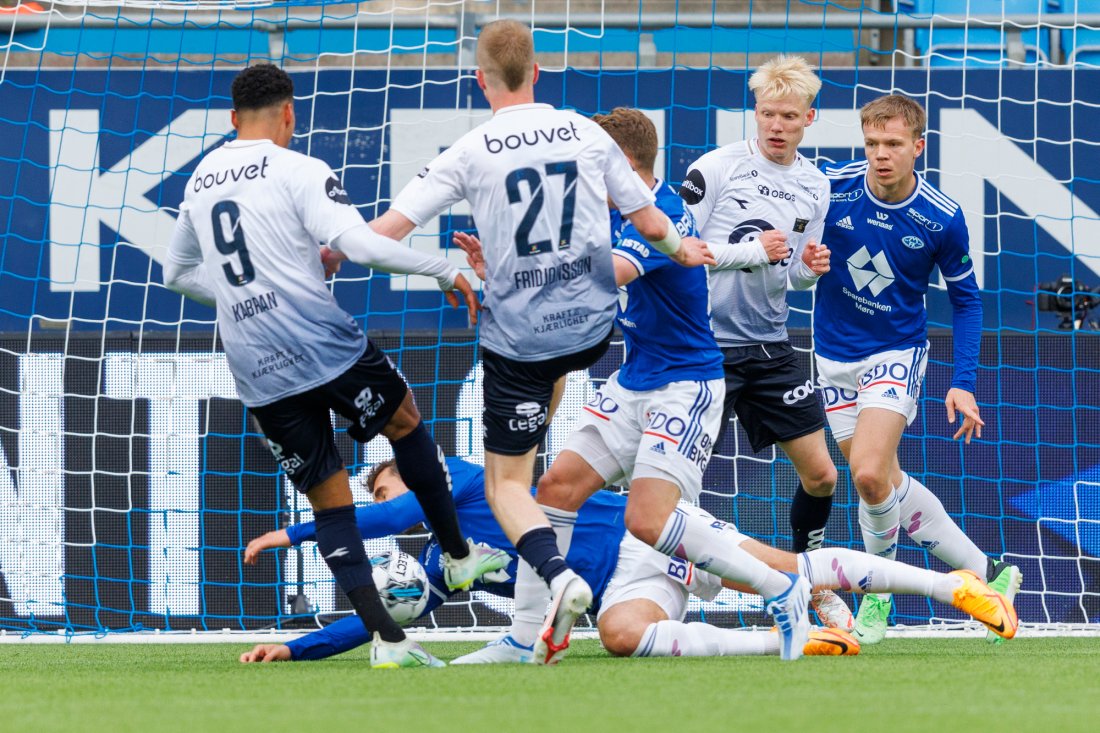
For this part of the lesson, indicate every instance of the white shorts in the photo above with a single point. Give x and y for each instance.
(890, 380)
(642, 572)
(663, 433)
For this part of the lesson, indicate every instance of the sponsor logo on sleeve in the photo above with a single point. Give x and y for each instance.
(335, 192)
(800, 225)
(694, 187)
(423, 173)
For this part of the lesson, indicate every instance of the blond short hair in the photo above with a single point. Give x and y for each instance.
(785, 75)
(878, 112)
(633, 132)
(506, 53)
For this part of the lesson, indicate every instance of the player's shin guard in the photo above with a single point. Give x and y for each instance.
(926, 521)
(341, 545)
(809, 515)
(677, 639)
(841, 569)
(423, 469)
(712, 548)
(879, 525)
(539, 547)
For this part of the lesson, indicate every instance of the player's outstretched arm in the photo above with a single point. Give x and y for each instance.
(770, 246)
(267, 653)
(269, 541)
(372, 248)
(962, 401)
(659, 231)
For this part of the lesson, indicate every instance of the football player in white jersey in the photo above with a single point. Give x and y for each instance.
(761, 207)
(538, 180)
(891, 227)
(652, 424)
(249, 240)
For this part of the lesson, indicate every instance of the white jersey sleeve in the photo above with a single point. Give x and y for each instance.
(323, 203)
(426, 196)
(700, 188)
(800, 275)
(183, 271)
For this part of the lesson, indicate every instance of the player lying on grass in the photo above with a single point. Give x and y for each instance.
(641, 594)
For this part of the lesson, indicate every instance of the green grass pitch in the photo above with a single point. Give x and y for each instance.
(1040, 684)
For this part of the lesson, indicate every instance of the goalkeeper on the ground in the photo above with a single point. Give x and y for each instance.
(640, 594)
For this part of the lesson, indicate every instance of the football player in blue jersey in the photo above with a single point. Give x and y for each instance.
(255, 224)
(655, 420)
(640, 594)
(890, 227)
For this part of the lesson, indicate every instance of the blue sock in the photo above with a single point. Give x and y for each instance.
(341, 546)
(422, 467)
(539, 547)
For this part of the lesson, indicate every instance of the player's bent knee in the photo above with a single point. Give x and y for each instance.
(872, 485)
(403, 421)
(821, 482)
(621, 639)
(643, 524)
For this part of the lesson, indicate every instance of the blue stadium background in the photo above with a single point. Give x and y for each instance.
(1039, 456)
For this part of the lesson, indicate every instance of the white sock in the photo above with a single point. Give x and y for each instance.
(563, 522)
(532, 597)
(677, 639)
(878, 523)
(839, 569)
(712, 548)
(925, 520)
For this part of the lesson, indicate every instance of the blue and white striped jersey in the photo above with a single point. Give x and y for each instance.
(666, 316)
(883, 254)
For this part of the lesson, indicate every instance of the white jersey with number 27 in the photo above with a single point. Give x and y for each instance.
(538, 180)
(253, 216)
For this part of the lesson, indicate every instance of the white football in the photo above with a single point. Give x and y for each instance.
(402, 584)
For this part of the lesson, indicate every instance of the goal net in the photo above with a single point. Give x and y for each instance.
(130, 476)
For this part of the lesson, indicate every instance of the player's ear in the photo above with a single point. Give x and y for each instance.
(919, 146)
(811, 115)
(233, 119)
(480, 75)
(535, 74)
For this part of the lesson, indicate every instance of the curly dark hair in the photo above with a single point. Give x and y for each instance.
(260, 86)
(376, 471)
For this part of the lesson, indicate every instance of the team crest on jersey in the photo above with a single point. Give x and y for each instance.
(693, 188)
(335, 191)
(912, 242)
